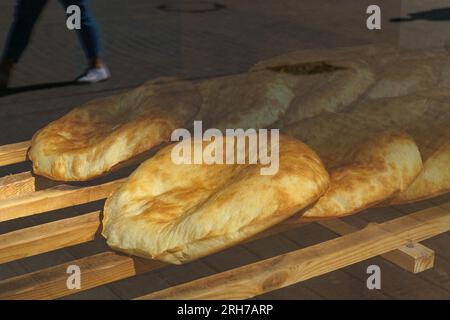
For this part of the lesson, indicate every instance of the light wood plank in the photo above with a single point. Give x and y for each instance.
(19, 184)
(36, 286)
(14, 153)
(284, 270)
(16, 185)
(47, 237)
(58, 197)
(96, 270)
(413, 257)
(38, 239)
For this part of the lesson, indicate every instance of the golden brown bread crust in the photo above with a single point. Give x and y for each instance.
(426, 117)
(433, 180)
(260, 98)
(367, 165)
(85, 143)
(322, 80)
(178, 213)
(409, 72)
(331, 92)
(249, 100)
(93, 138)
(371, 71)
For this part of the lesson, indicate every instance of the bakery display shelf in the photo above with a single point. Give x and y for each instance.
(24, 194)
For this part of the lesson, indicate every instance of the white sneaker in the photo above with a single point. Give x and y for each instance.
(95, 75)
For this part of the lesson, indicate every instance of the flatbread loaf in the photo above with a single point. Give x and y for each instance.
(433, 180)
(426, 117)
(248, 100)
(334, 79)
(367, 164)
(261, 98)
(410, 72)
(178, 213)
(91, 139)
(325, 80)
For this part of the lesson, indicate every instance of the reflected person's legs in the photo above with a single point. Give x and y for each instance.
(89, 36)
(25, 16)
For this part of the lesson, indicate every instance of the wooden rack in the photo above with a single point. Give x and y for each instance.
(24, 194)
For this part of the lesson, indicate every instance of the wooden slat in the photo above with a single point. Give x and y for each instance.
(16, 185)
(96, 270)
(445, 205)
(38, 239)
(413, 257)
(14, 153)
(19, 184)
(284, 270)
(47, 237)
(58, 197)
(50, 283)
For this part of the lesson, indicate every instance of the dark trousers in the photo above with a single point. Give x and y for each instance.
(26, 14)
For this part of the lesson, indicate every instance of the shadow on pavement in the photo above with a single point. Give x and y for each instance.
(35, 87)
(441, 14)
(191, 7)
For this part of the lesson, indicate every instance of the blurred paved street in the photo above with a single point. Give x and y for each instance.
(142, 42)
